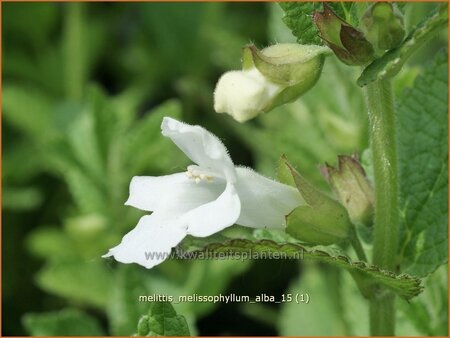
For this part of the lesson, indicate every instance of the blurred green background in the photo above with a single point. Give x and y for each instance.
(85, 87)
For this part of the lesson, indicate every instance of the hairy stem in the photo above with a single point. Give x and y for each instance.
(384, 152)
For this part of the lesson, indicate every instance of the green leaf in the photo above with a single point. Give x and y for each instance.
(325, 287)
(67, 322)
(34, 32)
(405, 286)
(335, 296)
(16, 152)
(50, 242)
(84, 143)
(21, 198)
(30, 111)
(298, 17)
(87, 154)
(400, 5)
(423, 157)
(82, 281)
(89, 193)
(105, 118)
(393, 60)
(276, 235)
(124, 308)
(91, 235)
(163, 320)
(429, 311)
(145, 146)
(85, 191)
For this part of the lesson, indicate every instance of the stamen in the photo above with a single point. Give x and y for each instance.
(197, 176)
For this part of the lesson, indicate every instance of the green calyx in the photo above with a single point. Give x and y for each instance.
(348, 43)
(322, 220)
(351, 186)
(287, 64)
(295, 68)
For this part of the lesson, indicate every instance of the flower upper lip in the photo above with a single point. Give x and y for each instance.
(210, 196)
(200, 146)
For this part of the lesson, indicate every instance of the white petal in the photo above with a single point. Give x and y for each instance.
(175, 193)
(243, 94)
(150, 242)
(265, 202)
(200, 146)
(214, 216)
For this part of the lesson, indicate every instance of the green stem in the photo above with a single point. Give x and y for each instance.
(357, 246)
(382, 315)
(384, 152)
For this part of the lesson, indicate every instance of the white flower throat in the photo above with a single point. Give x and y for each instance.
(198, 174)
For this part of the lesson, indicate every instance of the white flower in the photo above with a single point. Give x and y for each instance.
(244, 94)
(210, 196)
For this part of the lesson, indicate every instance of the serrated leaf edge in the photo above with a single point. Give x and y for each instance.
(237, 244)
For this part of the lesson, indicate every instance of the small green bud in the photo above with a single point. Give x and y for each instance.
(353, 189)
(348, 43)
(383, 25)
(271, 77)
(322, 221)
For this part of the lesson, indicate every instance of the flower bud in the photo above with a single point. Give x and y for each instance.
(351, 186)
(243, 94)
(348, 43)
(271, 77)
(322, 221)
(383, 25)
